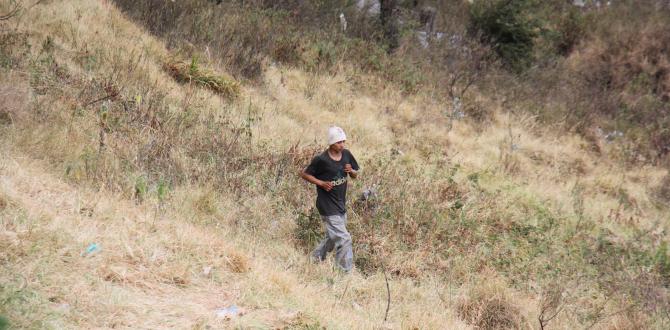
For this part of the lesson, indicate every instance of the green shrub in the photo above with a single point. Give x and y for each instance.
(141, 188)
(287, 50)
(4, 323)
(569, 31)
(14, 48)
(507, 26)
(663, 262)
(410, 79)
(308, 230)
(320, 55)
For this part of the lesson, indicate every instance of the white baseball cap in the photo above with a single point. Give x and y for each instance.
(336, 134)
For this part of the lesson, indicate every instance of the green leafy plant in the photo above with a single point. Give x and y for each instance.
(308, 229)
(141, 188)
(507, 26)
(662, 261)
(4, 323)
(569, 31)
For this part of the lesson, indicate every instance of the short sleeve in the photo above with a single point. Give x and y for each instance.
(313, 167)
(352, 160)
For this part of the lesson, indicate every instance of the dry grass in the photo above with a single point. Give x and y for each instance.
(488, 305)
(194, 198)
(13, 98)
(193, 73)
(152, 267)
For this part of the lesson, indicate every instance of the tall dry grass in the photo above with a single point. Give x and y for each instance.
(172, 179)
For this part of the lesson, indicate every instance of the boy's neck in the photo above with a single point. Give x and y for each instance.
(334, 153)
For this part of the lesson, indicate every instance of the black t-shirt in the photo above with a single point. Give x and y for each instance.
(324, 168)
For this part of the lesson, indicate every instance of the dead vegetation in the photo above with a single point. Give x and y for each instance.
(193, 73)
(13, 99)
(488, 305)
(193, 196)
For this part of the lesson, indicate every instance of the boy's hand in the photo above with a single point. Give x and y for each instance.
(326, 185)
(350, 171)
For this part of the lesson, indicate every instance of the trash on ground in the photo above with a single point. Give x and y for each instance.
(368, 193)
(63, 308)
(91, 250)
(229, 312)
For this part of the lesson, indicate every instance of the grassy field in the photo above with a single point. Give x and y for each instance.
(183, 170)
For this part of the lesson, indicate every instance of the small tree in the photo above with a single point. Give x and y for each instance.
(388, 18)
(508, 28)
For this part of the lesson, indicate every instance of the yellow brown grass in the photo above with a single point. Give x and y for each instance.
(452, 200)
(13, 98)
(185, 72)
(237, 262)
(488, 304)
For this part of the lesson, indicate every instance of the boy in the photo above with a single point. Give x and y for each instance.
(329, 172)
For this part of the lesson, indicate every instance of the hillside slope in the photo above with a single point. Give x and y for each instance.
(193, 200)
(165, 271)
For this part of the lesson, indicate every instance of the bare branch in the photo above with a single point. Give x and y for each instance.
(388, 294)
(16, 8)
(34, 4)
(12, 12)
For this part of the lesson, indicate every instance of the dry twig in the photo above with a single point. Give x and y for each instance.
(15, 9)
(388, 294)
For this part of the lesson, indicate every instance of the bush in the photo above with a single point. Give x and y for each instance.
(662, 261)
(508, 28)
(308, 230)
(193, 73)
(287, 50)
(626, 79)
(488, 305)
(570, 31)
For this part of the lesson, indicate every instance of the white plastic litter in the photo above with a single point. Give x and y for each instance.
(229, 312)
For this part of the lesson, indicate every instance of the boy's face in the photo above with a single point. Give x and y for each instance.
(337, 146)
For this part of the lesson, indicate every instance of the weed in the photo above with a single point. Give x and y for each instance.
(3, 202)
(14, 98)
(320, 55)
(662, 262)
(238, 262)
(308, 231)
(141, 188)
(206, 203)
(662, 192)
(428, 213)
(193, 73)
(14, 49)
(364, 259)
(304, 322)
(288, 50)
(162, 190)
(570, 31)
(488, 305)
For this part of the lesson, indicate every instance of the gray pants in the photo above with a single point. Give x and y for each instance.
(338, 238)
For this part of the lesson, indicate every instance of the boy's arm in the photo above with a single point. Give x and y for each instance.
(352, 167)
(327, 186)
